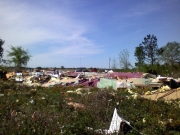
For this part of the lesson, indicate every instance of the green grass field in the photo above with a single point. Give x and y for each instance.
(36, 110)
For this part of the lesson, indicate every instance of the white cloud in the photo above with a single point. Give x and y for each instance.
(141, 9)
(33, 27)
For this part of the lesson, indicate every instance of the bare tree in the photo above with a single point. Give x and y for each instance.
(124, 59)
(114, 63)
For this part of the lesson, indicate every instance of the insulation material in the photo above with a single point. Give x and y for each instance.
(124, 85)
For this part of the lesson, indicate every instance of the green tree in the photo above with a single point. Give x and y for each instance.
(140, 56)
(39, 68)
(150, 49)
(62, 67)
(170, 53)
(19, 56)
(1, 49)
(124, 59)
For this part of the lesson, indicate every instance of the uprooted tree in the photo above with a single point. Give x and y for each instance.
(19, 56)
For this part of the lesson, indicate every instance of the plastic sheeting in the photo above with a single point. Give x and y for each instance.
(115, 123)
(107, 83)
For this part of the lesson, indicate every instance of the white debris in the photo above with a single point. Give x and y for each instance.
(31, 101)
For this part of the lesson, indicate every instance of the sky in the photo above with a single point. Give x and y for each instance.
(85, 33)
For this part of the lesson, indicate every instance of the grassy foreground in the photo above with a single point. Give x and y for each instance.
(36, 110)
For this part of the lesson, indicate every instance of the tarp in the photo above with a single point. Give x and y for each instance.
(106, 83)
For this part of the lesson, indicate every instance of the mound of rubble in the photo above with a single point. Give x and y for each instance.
(115, 80)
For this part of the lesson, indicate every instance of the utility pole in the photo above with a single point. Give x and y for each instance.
(109, 62)
(80, 59)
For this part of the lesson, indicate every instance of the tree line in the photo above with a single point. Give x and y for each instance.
(150, 58)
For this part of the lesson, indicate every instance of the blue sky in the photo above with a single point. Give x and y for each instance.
(85, 33)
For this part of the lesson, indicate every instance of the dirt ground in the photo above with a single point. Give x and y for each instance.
(173, 94)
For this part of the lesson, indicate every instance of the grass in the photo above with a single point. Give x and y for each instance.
(55, 116)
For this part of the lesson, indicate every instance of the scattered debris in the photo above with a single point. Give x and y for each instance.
(118, 124)
(35, 115)
(14, 113)
(102, 80)
(76, 105)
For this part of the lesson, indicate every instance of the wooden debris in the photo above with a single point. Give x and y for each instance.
(35, 115)
(76, 105)
(14, 113)
(170, 92)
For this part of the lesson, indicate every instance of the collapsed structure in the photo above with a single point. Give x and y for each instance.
(111, 79)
